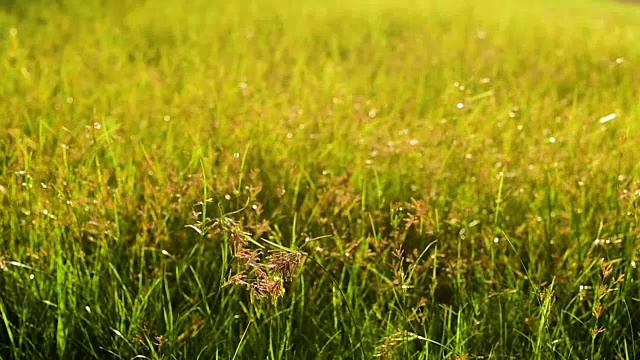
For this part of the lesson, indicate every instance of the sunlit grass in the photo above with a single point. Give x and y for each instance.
(319, 179)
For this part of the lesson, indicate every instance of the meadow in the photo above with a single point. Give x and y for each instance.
(351, 179)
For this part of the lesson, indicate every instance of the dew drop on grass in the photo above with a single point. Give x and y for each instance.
(254, 207)
(228, 197)
(496, 240)
(552, 139)
(167, 118)
(236, 155)
(88, 309)
(460, 105)
(289, 136)
(633, 264)
(606, 119)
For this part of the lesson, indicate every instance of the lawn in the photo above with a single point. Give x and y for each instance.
(348, 179)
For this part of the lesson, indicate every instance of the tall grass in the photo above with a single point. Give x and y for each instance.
(319, 179)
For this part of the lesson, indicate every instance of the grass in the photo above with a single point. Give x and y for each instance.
(319, 179)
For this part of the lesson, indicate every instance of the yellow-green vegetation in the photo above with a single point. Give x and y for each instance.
(319, 179)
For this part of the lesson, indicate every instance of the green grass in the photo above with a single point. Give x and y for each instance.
(438, 168)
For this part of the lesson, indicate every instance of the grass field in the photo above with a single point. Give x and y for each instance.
(316, 179)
